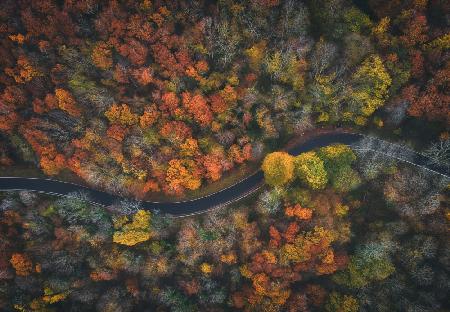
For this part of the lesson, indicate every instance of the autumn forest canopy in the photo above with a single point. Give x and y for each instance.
(168, 100)
(154, 96)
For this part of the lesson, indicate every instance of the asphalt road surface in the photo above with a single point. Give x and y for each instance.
(189, 207)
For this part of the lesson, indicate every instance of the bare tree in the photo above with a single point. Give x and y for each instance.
(371, 164)
(414, 192)
(439, 153)
(222, 40)
(322, 57)
(396, 151)
(126, 206)
(294, 20)
(396, 112)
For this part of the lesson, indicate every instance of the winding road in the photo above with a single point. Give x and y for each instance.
(223, 197)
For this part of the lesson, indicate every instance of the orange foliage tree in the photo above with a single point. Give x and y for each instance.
(288, 255)
(50, 160)
(213, 164)
(22, 264)
(24, 72)
(143, 75)
(182, 174)
(102, 55)
(218, 104)
(298, 212)
(197, 106)
(66, 102)
(149, 117)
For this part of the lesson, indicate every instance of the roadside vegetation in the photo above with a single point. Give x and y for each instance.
(364, 234)
(157, 99)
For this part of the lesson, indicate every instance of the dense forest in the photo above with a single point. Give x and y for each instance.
(307, 242)
(140, 97)
(175, 99)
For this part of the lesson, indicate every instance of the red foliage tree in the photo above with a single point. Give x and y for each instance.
(432, 104)
(143, 75)
(197, 106)
(8, 121)
(170, 102)
(135, 51)
(166, 59)
(117, 132)
(120, 74)
(175, 131)
(417, 64)
(291, 232)
(139, 28)
(415, 30)
(218, 104)
(275, 237)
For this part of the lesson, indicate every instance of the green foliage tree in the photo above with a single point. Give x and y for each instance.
(311, 171)
(370, 263)
(341, 303)
(345, 180)
(298, 195)
(336, 156)
(270, 201)
(176, 300)
(337, 159)
(325, 19)
(76, 210)
(357, 21)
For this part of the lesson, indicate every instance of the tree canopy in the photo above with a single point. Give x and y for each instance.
(311, 170)
(278, 168)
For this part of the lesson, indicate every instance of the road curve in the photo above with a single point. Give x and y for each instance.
(189, 207)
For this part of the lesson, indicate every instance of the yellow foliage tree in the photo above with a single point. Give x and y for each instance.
(278, 168)
(229, 258)
(121, 114)
(294, 72)
(206, 268)
(299, 249)
(274, 64)
(256, 54)
(274, 291)
(370, 84)
(341, 303)
(189, 148)
(380, 31)
(51, 297)
(137, 231)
